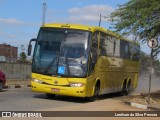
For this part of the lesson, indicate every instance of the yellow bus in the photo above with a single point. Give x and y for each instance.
(83, 61)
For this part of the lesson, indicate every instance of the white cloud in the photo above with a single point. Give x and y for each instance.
(11, 21)
(16, 32)
(14, 39)
(5, 34)
(15, 22)
(89, 13)
(92, 9)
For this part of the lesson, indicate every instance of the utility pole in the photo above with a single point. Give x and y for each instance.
(44, 12)
(152, 43)
(150, 75)
(100, 17)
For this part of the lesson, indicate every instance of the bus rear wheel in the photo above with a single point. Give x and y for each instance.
(126, 88)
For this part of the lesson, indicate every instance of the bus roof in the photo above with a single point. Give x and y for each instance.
(87, 28)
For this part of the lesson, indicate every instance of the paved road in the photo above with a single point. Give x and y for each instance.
(23, 99)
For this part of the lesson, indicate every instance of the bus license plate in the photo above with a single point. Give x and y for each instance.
(55, 90)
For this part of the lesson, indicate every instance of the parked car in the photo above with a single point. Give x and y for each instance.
(2, 80)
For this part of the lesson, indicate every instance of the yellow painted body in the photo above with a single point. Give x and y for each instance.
(110, 71)
(63, 85)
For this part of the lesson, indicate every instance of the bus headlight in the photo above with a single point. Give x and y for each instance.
(37, 81)
(76, 84)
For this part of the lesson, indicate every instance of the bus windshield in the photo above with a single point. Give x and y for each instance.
(62, 52)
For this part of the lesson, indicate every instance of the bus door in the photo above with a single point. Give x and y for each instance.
(92, 70)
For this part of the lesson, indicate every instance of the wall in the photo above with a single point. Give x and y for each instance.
(16, 70)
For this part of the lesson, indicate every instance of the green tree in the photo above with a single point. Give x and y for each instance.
(138, 17)
(23, 57)
(157, 67)
(145, 64)
(145, 61)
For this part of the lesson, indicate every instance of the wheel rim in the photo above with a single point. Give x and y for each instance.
(96, 92)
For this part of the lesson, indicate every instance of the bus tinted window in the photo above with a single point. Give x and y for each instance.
(134, 52)
(124, 52)
(103, 45)
(109, 45)
(117, 48)
(112, 46)
(109, 41)
(94, 49)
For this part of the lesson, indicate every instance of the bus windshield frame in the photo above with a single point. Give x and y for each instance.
(61, 52)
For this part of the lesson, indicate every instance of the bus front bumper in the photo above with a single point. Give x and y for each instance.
(58, 90)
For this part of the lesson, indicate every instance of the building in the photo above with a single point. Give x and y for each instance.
(2, 58)
(8, 52)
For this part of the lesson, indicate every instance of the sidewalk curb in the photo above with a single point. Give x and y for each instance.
(16, 86)
(133, 104)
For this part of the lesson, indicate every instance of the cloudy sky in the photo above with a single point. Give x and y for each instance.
(20, 19)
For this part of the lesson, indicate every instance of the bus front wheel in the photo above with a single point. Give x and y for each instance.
(96, 92)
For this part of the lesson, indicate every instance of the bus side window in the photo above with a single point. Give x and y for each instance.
(117, 48)
(110, 45)
(134, 52)
(94, 49)
(124, 51)
(103, 46)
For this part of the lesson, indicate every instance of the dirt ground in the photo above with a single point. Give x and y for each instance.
(140, 94)
(143, 98)
(17, 82)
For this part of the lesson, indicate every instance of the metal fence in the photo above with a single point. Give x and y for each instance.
(16, 70)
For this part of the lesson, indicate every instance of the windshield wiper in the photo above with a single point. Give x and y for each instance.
(67, 62)
(49, 65)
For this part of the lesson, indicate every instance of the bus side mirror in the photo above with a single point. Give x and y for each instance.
(29, 49)
(30, 46)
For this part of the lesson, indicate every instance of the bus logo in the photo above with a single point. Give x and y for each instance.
(55, 82)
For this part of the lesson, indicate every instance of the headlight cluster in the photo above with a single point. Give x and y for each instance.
(37, 81)
(76, 84)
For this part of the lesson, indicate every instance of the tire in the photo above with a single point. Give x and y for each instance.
(126, 88)
(1, 87)
(96, 93)
(50, 95)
